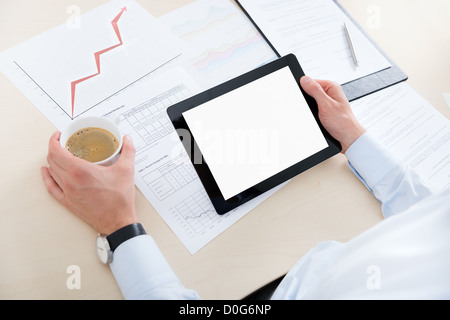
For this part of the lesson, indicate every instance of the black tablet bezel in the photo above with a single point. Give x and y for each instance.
(221, 205)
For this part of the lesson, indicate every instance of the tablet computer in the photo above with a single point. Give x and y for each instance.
(252, 133)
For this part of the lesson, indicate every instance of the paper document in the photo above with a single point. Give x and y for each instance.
(68, 72)
(314, 31)
(220, 43)
(121, 62)
(411, 128)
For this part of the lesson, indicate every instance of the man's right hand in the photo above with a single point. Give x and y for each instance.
(104, 197)
(335, 112)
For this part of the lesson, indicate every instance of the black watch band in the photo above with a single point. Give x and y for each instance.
(125, 233)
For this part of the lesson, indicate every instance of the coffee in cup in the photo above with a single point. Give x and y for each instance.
(95, 139)
(92, 144)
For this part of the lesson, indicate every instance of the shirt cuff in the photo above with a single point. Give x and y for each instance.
(142, 272)
(370, 160)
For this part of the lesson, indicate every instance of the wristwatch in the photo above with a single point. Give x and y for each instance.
(107, 244)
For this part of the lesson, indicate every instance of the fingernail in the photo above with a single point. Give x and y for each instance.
(306, 79)
(128, 138)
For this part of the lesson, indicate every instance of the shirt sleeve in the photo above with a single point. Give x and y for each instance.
(403, 257)
(395, 185)
(142, 272)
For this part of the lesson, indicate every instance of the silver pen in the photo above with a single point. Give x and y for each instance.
(350, 43)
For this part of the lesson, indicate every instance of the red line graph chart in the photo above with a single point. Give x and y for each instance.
(97, 57)
(68, 73)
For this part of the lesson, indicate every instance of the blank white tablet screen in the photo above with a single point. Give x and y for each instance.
(255, 132)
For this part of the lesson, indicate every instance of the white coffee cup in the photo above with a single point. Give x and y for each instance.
(95, 122)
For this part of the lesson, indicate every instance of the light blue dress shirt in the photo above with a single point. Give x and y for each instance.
(406, 256)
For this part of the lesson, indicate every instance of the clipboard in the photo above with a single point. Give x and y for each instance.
(363, 86)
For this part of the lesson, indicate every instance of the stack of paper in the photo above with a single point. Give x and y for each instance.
(125, 62)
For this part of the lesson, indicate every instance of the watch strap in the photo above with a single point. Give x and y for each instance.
(123, 234)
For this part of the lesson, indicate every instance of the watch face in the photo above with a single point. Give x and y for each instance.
(103, 251)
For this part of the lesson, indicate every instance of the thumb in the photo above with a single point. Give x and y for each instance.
(128, 151)
(314, 89)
